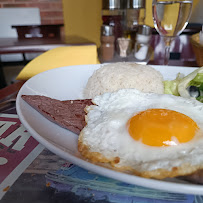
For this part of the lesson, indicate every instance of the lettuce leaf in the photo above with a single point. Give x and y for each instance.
(201, 87)
(200, 98)
(171, 86)
(178, 87)
(197, 81)
(193, 78)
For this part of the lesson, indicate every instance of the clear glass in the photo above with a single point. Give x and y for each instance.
(170, 19)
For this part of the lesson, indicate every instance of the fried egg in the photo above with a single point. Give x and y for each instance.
(151, 135)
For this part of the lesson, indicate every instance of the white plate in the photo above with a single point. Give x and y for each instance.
(67, 83)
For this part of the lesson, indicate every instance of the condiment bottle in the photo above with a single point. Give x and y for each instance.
(124, 45)
(142, 44)
(112, 15)
(107, 48)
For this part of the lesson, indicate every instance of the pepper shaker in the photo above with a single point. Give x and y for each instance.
(107, 48)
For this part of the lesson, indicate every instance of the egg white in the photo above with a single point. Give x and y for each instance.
(106, 130)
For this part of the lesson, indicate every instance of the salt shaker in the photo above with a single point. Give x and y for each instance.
(142, 44)
(107, 47)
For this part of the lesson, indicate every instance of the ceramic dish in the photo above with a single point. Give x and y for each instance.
(67, 83)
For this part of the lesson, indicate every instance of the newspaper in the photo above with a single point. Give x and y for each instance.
(92, 187)
(17, 150)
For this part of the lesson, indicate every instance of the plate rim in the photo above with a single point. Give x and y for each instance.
(194, 189)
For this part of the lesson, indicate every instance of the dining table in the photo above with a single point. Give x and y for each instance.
(38, 175)
(35, 45)
(39, 178)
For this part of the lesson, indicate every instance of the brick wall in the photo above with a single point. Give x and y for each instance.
(51, 11)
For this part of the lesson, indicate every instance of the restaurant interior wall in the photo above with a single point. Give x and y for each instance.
(83, 19)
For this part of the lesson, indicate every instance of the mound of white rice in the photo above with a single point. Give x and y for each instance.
(115, 76)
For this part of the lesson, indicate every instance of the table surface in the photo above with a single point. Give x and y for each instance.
(15, 45)
(36, 45)
(31, 185)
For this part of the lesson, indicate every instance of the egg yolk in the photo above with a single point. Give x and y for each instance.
(161, 127)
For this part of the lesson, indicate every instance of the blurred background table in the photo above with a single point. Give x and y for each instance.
(34, 39)
(14, 45)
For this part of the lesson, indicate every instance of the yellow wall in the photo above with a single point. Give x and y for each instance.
(83, 18)
(148, 19)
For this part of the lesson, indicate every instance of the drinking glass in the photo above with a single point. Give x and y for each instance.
(170, 19)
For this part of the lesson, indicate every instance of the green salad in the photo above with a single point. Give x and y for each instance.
(190, 86)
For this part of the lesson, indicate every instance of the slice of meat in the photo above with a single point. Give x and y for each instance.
(68, 114)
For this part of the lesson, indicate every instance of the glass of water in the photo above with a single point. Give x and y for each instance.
(170, 19)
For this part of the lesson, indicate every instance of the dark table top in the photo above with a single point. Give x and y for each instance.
(35, 45)
(15, 45)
